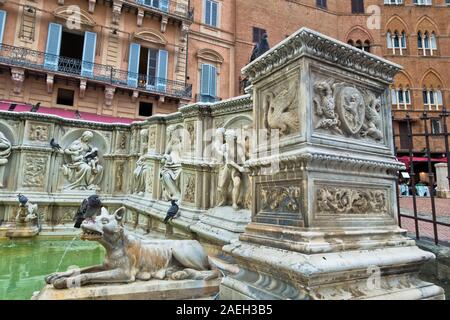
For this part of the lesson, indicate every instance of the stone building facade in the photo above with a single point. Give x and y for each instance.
(113, 58)
(200, 46)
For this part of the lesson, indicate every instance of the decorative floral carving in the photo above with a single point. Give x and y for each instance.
(336, 200)
(281, 108)
(152, 137)
(189, 191)
(34, 174)
(38, 132)
(282, 199)
(122, 141)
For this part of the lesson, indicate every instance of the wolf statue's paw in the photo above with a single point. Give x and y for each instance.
(60, 283)
(179, 275)
(57, 275)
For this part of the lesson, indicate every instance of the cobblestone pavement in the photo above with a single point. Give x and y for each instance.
(424, 211)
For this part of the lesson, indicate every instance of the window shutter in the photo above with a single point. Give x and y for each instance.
(2, 24)
(133, 65)
(212, 81)
(204, 81)
(164, 5)
(214, 7)
(161, 72)
(53, 46)
(208, 12)
(90, 41)
(433, 41)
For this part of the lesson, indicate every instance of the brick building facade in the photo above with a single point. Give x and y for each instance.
(133, 58)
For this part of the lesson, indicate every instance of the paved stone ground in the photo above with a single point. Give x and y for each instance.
(424, 211)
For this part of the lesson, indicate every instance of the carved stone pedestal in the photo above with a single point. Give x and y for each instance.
(140, 290)
(323, 172)
(222, 224)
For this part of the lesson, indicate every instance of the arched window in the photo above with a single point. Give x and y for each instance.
(401, 97)
(432, 98)
(366, 46)
(427, 42)
(350, 42)
(396, 40)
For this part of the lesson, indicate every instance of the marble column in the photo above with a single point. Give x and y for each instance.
(443, 189)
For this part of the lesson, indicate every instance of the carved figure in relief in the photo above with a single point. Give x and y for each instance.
(231, 174)
(373, 125)
(5, 149)
(139, 175)
(280, 199)
(38, 132)
(324, 107)
(281, 109)
(171, 166)
(82, 168)
(351, 108)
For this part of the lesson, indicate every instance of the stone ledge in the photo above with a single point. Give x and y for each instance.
(140, 290)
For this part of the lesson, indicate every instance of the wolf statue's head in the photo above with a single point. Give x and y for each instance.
(106, 229)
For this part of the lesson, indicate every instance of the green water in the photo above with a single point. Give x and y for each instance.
(25, 263)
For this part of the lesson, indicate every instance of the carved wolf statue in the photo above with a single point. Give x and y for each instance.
(128, 259)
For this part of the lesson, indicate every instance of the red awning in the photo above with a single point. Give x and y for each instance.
(66, 114)
(407, 160)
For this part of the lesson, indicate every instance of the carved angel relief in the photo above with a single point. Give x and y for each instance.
(342, 109)
(281, 109)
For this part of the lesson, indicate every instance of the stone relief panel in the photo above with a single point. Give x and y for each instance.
(281, 107)
(280, 199)
(38, 132)
(119, 174)
(122, 141)
(189, 189)
(150, 177)
(82, 168)
(152, 137)
(334, 200)
(35, 169)
(171, 164)
(346, 110)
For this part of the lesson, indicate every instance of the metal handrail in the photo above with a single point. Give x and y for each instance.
(27, 58)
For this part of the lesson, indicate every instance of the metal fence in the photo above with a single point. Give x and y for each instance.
(31, 59)
(433, 132)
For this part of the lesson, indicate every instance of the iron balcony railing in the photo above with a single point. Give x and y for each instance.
(172, 7)
(206, 98)
(31, 59)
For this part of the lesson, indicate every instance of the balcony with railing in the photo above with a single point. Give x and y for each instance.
(170, 7)
(48, 63)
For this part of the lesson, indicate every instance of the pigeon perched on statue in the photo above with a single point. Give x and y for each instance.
(172, 212)
(54, 144)
(89, 208)
(35, 107)
(260, 48)
(22, 199)
(91, 155)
